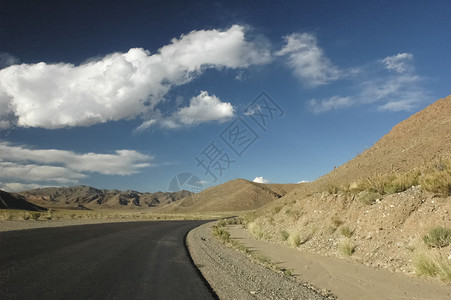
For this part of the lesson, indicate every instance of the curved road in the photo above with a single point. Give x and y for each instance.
(141, 260)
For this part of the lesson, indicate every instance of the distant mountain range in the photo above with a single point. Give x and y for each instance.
(89, 197)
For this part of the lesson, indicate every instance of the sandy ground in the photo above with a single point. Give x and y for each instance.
(346, 280)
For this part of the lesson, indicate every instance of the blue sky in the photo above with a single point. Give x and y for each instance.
(129, 94)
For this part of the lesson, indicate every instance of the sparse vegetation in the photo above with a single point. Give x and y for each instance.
(255, 229)
(437, 181)
(346, 247)
(336, 222)
(438, 237)
(346, 231)
(295, 239)
(221, 233)
(432, 263)
(284, 235)
(368, 197)
(277, 209)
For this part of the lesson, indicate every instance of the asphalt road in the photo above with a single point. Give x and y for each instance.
(141, 260)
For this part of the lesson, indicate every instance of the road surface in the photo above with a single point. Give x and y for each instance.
(141, 260)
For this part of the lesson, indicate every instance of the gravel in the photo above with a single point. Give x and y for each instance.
(232, 275)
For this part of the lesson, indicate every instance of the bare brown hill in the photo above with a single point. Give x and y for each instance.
(86, 196)
(421, 138)
(234, 195)
(14, 201)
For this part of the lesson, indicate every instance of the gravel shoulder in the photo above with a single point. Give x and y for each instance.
(234, 276)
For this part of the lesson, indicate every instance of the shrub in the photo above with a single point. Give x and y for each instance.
(368, 197)
(438, 182)
(221, 233)
(431, 263)
(438, 237)
(255, 229)
(333, 189)
(295, 239)
(222, 223)
(277, 209)
(346, 247)
(346, 231)
(285, 235)
(336, 221)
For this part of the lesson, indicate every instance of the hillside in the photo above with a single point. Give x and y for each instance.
(422, 137)
(14, 201)
(373, 226)
(85, 196)
(234, 195)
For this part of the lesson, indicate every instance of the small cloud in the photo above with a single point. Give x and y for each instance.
(260, 180)
(145, 125)
(205, 108)
(307, 60)
(303, 181)
(202, 108)
(333, 103)
(401, 63)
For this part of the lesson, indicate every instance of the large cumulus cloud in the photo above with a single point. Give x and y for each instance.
(119, 85)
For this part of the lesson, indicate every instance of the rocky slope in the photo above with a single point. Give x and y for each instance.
(388, 231)
(14, 201)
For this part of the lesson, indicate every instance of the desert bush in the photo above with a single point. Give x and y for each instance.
(333, 189)
(346, 247)
(284, 235)
(277, 209)
(295, 214)
(221, 233)
(431, 262)
(437, 181)
(255, 229)
(336, 222)
(438, 237)
(368, 197)
(346, 231)
(222, 223)
(295, 239)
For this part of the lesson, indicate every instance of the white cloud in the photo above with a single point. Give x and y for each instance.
(122, 162)
(260, 180)
(37, 173)
(23, 165)
(400, 63)
(202, 108)
(19, 187)
(119, 85)
(324, 105)
(390, 85)
(307, 60)
(303, 181)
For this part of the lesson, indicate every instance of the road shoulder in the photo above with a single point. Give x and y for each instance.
(234, 276)
(346, 279)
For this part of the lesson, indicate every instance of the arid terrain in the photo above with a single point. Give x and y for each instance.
(388, 208)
